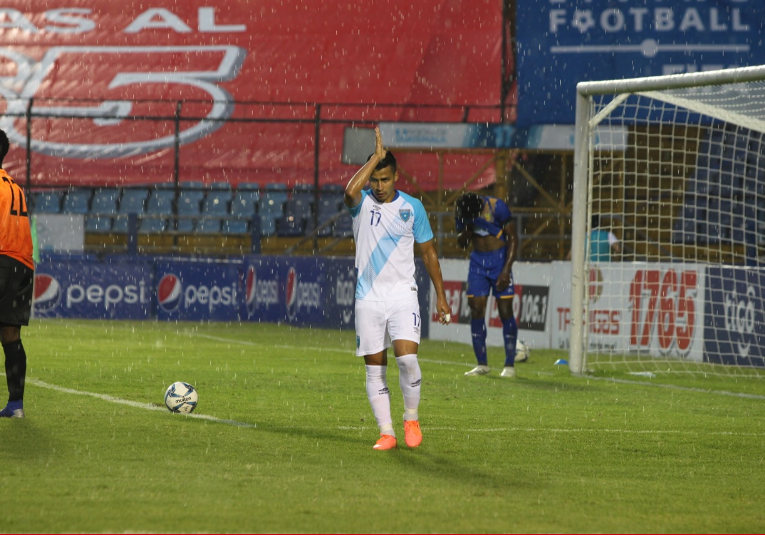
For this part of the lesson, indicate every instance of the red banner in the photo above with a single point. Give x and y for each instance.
(116, 87)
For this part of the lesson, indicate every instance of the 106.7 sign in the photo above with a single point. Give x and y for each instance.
(663, 305)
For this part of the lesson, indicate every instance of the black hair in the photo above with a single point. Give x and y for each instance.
(595, 221)
(468, 207)
(4, 146)
(388, 161)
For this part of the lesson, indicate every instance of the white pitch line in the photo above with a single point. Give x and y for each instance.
(136, 404)
(683, 388)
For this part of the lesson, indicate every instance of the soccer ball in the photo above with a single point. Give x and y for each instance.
(522, 351)
(181, 397)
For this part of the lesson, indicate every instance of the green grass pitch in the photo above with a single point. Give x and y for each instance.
(284, 434)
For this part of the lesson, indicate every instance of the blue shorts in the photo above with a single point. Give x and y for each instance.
(483, 274)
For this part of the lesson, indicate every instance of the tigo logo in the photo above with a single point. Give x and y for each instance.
(47, 292)
(169, 292)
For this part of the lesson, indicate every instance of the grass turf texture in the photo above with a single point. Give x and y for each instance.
(545, 452)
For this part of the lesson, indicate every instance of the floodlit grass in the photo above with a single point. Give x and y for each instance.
(545, 452)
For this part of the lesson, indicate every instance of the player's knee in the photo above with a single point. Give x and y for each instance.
(9, 334)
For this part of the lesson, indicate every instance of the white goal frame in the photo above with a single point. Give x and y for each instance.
(583, 145)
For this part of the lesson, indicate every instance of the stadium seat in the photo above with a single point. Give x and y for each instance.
(153, 224)
(298, 208)
(271, 203)
(276, 186)
(290, 226)
(48, 202)
(105, 201)
(160, 203)
(267, 225)
(219, 186)
(248, 186)
(77, 201)
(133, 201)
(208, 225)
(235, 226)
(332, 189)
(244, 203)
(343, 226)
(193, 185)
(216, 203)
(328, 208)
(98, 223)
(103, 208)
(303, 192)
(189, 209)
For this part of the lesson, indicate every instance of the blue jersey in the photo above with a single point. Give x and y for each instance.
(492, 220)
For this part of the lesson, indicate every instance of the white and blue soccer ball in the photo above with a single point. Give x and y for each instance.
(181, 397)
(522, 351)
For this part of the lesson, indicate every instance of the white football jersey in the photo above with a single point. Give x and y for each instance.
(385, 234)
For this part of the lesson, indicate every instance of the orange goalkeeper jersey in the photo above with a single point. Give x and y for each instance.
(15, 233)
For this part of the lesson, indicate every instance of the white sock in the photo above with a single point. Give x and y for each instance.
(410, 380)
(379, 398)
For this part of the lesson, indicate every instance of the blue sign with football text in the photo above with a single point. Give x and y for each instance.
(563, 42)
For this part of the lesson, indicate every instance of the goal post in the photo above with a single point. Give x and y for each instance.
(674, 166)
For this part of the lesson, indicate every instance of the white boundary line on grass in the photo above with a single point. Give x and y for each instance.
(136, 404)
(674, 387)
(624, 381)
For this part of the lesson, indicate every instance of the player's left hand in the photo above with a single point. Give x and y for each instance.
(503, 281)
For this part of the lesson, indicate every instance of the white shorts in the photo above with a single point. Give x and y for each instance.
(379, 322)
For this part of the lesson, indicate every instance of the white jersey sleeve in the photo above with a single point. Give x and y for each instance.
(385, 234)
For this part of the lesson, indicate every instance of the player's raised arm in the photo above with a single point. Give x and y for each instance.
(353, 189)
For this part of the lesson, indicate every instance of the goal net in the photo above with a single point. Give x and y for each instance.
(673, 167)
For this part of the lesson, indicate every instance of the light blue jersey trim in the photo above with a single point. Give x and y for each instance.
(422, 230)
(377, 261)
(354, 210)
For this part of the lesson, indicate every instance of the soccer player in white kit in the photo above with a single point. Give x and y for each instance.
(386, 223)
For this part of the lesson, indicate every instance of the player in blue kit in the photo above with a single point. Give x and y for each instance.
(386, 224)
(487, 223)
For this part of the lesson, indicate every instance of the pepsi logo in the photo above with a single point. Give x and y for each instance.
(291, 293)
(169, 292)
(47, 292)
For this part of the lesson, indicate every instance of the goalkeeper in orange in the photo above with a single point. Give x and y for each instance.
(16, 283)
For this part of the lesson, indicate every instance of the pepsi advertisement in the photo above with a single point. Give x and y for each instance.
(262, 300)
(300, 291)
(286, 290)
(197, 290)
(94, 290)
(734, 325)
